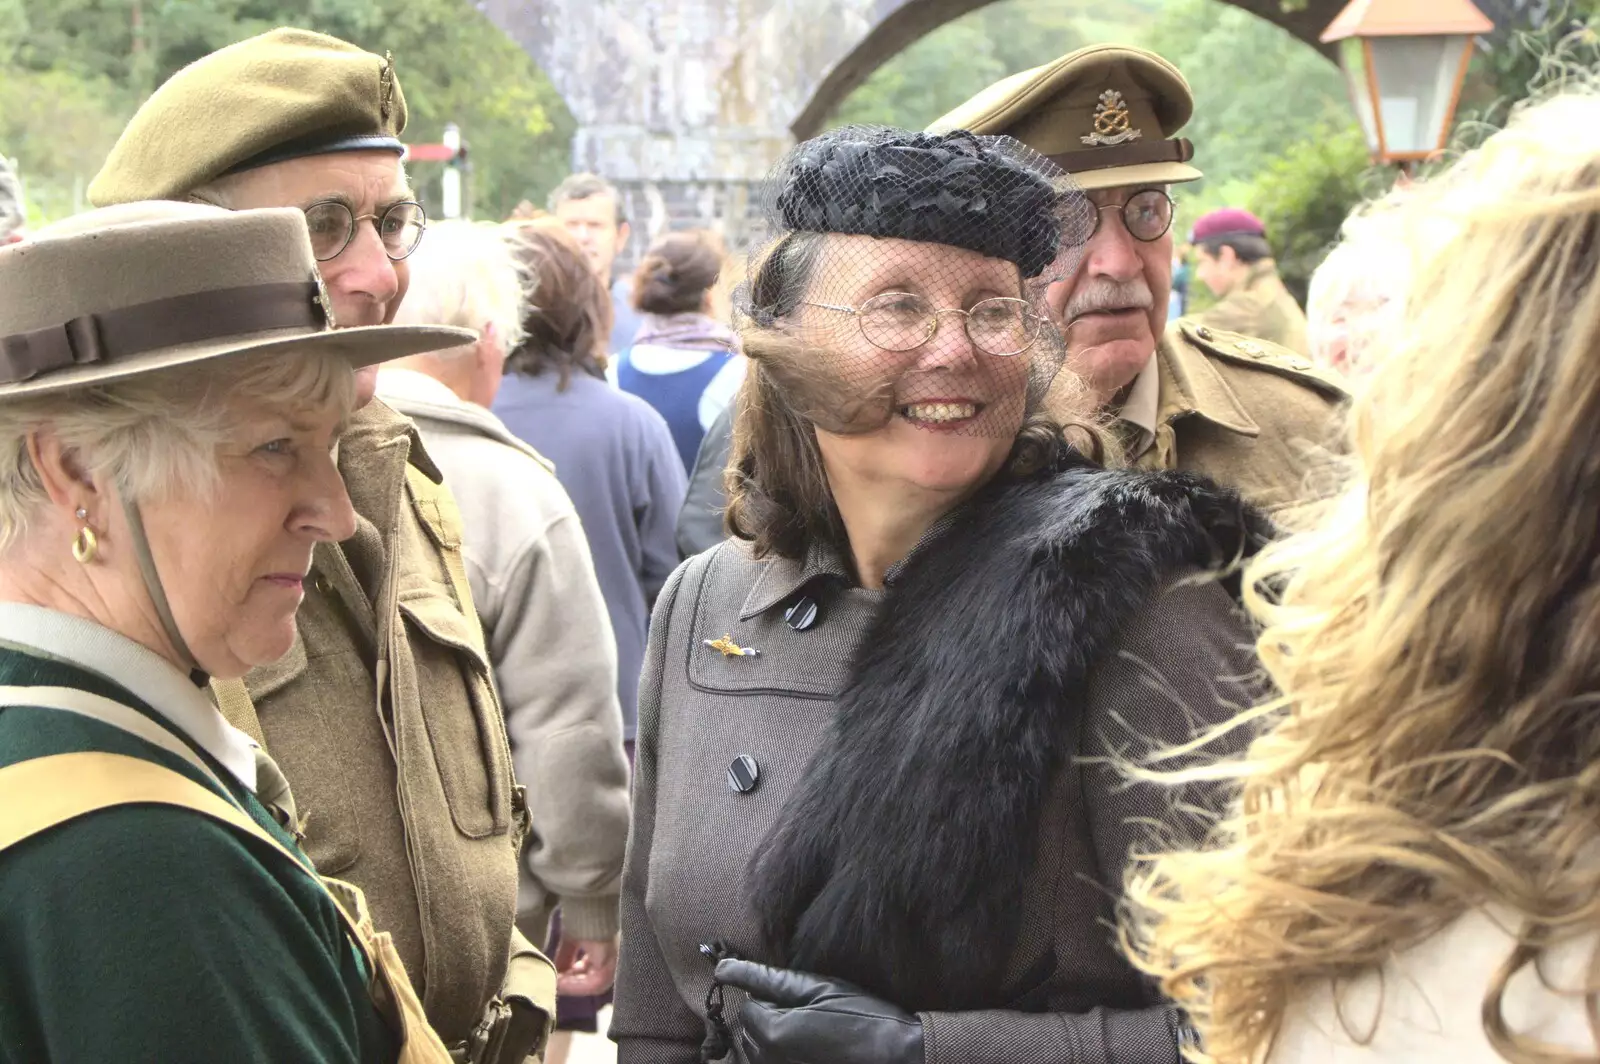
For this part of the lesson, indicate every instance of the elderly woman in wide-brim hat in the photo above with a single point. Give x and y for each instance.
(876, 726)
(171, 399)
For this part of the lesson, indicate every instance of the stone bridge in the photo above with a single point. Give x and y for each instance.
(686, 104)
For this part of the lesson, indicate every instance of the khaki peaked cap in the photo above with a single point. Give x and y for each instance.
(1105, 114)
(140, 287)
(280, 95)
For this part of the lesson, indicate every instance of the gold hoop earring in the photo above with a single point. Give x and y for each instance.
(85, 545)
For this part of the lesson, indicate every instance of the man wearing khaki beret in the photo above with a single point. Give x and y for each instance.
(1243, 411)
(383, 715)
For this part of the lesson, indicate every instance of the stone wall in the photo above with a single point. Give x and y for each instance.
(687, 104)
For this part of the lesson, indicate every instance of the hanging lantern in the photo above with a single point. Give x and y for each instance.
(1405, 62)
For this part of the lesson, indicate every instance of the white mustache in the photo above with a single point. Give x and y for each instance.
(1109, 295)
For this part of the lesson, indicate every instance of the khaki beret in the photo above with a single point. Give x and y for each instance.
(281, 95)
(127, 290)
(1103, 113)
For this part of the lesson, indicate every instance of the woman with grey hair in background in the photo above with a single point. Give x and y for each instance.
(171, 399)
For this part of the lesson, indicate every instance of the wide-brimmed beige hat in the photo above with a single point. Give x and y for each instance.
(140, 287)
(1106, 114)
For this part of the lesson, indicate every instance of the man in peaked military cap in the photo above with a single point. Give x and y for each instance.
(1186, 396)
(382, 716)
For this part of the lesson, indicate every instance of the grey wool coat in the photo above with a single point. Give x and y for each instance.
(938, 753)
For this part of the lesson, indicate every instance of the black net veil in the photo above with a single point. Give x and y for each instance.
(901, 275)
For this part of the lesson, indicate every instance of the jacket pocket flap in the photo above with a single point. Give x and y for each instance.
(443, 621)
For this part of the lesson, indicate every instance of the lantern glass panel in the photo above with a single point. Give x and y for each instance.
(1416, 79)
(1353, 59)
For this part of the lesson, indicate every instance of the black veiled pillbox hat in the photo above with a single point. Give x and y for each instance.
(977, 193)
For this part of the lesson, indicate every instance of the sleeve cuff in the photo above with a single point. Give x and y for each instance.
(589, 918)
(1099, 1036)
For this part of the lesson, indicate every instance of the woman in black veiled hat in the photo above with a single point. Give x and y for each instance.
(876, 724)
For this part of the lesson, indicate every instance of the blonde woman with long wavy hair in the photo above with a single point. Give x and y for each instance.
(1411, 870)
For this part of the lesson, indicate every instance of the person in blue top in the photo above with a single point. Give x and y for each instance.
(613, 454)
(172, 394)
(683, 362)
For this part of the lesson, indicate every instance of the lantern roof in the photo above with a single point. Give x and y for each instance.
(1407, 18)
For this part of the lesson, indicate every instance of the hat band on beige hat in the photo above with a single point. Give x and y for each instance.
(127, 290)
(1177, 150)
(194, 317)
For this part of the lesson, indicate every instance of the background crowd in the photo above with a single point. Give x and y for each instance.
(989, 621)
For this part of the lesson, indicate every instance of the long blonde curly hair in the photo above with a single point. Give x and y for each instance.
(1436, 638)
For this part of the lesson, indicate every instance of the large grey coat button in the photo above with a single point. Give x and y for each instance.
(744, 774)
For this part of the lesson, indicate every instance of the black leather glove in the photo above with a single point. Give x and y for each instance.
(798, 1018)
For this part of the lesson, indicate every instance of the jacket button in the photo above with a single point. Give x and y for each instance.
(744, 774)
(801, 615)
(1203, 332)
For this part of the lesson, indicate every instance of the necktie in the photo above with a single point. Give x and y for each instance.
(273, 790)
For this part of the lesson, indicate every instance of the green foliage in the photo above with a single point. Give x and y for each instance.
(73, 71)
(59, 125)
(955, 61)
(1256, 88)
(1305, 194)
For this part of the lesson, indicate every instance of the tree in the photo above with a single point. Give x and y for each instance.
(957, 60)
(100, 58)
(1305, 195)
(1256, 88)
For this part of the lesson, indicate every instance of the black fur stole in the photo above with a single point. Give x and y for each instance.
(901, 865)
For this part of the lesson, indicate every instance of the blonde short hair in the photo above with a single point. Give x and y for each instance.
(156, 436)
(465, 274)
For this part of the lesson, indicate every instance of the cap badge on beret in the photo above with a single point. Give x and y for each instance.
(385, 87)
(1112, 123)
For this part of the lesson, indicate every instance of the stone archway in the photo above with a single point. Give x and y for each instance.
(901, 23)
(687, 104)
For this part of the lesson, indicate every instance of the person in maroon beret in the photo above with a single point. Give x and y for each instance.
(1235, 261)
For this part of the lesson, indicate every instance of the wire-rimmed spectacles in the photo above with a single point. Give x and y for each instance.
(903, 321)
(332, 225)
(1147, 215)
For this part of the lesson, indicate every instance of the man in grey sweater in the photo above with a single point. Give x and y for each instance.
(545, 624)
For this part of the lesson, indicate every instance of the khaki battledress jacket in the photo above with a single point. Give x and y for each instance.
(385, 723)
(1250, 415)
(1262, 307)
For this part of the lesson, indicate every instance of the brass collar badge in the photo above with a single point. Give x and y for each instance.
(1112, 123)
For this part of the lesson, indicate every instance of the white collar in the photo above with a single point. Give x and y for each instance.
(152, 679)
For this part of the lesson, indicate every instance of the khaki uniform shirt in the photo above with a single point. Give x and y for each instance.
(1248, 414)
(384, 720)
(1261, 307)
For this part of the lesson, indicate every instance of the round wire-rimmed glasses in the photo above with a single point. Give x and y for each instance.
(903, 321)
(1147, 215)
(332, 225)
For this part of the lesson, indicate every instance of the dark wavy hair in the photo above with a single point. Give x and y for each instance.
(568, 321)
(778, 494)
(989, 195)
